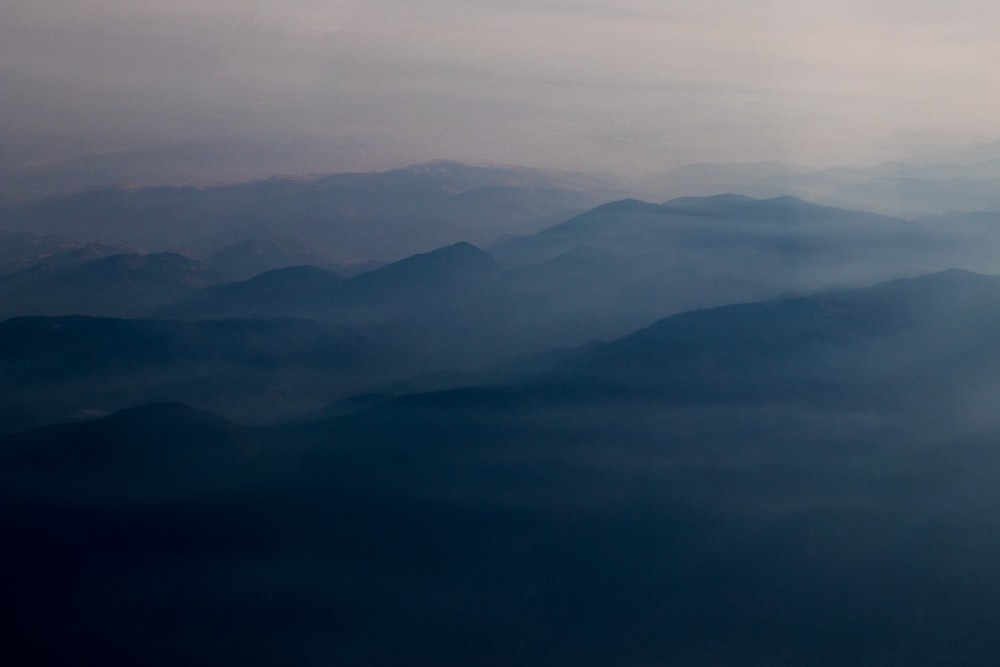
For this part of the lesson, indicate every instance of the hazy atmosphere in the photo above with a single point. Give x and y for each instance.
(624, 87)
(508, 333)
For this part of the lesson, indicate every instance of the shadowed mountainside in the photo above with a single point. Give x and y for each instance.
(53, 369)
(695, 492)
(115, 285)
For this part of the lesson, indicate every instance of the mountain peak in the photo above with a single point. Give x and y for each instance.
(778, 347)
(295, 275)
(628, 204)
(724, 199)
(164, 265)
(440, 267)
(462, 248)
(460, 256)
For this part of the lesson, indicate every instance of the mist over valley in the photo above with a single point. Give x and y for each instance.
(552, 333)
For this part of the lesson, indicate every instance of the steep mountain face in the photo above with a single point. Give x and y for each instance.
(355, 217)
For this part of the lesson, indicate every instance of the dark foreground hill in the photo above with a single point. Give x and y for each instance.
(715, 489)
(54, 369)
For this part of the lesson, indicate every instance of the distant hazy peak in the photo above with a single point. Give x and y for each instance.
(958, 281)
(628, 204)
(438, 166)
(151, 260)
(448, 263)
(728, 204)
(293, 273)
(461, 253)
(711, 200)
(250, 246)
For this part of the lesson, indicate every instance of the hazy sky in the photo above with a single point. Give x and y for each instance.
(629, 84)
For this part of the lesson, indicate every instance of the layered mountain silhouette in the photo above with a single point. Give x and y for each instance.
(445, 303)
(926, 339)
(22, 250)
(950, 181)
(611, 271)
(871, 344)
(285, 291)
(56, 368)
(246, 259)
(457, 415)
(598, 275)
(118, 284)
(354, 217)
(728, 478)
(721, 221)
(618, 267)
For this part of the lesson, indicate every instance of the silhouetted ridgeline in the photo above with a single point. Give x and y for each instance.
(356, 217)
(789, 482)
(679, 433)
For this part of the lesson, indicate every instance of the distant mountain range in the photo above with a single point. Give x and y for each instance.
(598, 275)
(118, 284)
(352, 217)
(453, 415)
(22, 250)
(951, 181)
(184, 163)
(840, 343)
(632, 226)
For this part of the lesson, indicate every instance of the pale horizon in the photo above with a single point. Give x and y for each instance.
(632, 89)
